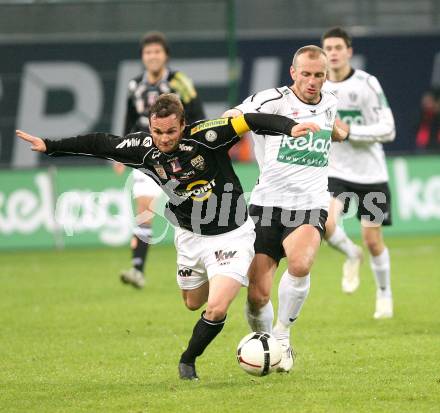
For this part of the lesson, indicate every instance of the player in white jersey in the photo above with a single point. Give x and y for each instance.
(290, 201)
(357, 167)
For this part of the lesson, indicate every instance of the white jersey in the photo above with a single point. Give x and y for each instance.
(293, 171)
(363, 105)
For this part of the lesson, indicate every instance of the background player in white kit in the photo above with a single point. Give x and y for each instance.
(290, 201)
(357, 167)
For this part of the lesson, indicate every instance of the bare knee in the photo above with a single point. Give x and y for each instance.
(374, 246)
(299, 267)
(261, 272)
(192, 304)
(330, 226)
(258, 297)
(335, 210)
(301, 247)
(374, 243)
(195, 298)
(216, 312)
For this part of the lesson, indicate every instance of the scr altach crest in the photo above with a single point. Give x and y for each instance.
(198, 162)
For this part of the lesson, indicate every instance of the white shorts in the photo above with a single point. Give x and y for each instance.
(143, 185)
(200, 257)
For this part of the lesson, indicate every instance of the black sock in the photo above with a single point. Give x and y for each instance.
(203, 333)
(139, 254)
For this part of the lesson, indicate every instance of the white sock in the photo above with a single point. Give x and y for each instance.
(381, 267)
(143, 232)
(342, 243)
(263, 320)
(292, 293)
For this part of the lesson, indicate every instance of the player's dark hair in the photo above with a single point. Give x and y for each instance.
(337, 32)
(166, 105)
(155, 38)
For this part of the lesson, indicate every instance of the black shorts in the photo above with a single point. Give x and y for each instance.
(374, 200)
(273, 225)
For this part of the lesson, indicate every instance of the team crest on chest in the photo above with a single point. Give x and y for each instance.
(329, 117)
(198, 162)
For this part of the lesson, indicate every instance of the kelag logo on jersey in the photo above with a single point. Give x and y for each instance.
(310, 150)
(351, 116)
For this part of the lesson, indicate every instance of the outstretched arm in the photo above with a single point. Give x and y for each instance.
(296, 129)
(129, 150)
(37, 144)
(268, 124)
(224, 132)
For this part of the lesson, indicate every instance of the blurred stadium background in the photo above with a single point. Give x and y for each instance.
(64, 70)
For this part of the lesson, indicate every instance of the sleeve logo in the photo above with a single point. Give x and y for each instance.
(129, 143)
(211, 135)
(209, 125)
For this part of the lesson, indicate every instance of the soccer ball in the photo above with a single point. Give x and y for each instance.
(259, 353)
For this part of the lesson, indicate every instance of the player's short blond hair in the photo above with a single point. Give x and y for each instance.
(314, 52)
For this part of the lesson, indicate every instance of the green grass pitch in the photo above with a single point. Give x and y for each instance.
(73, 339)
